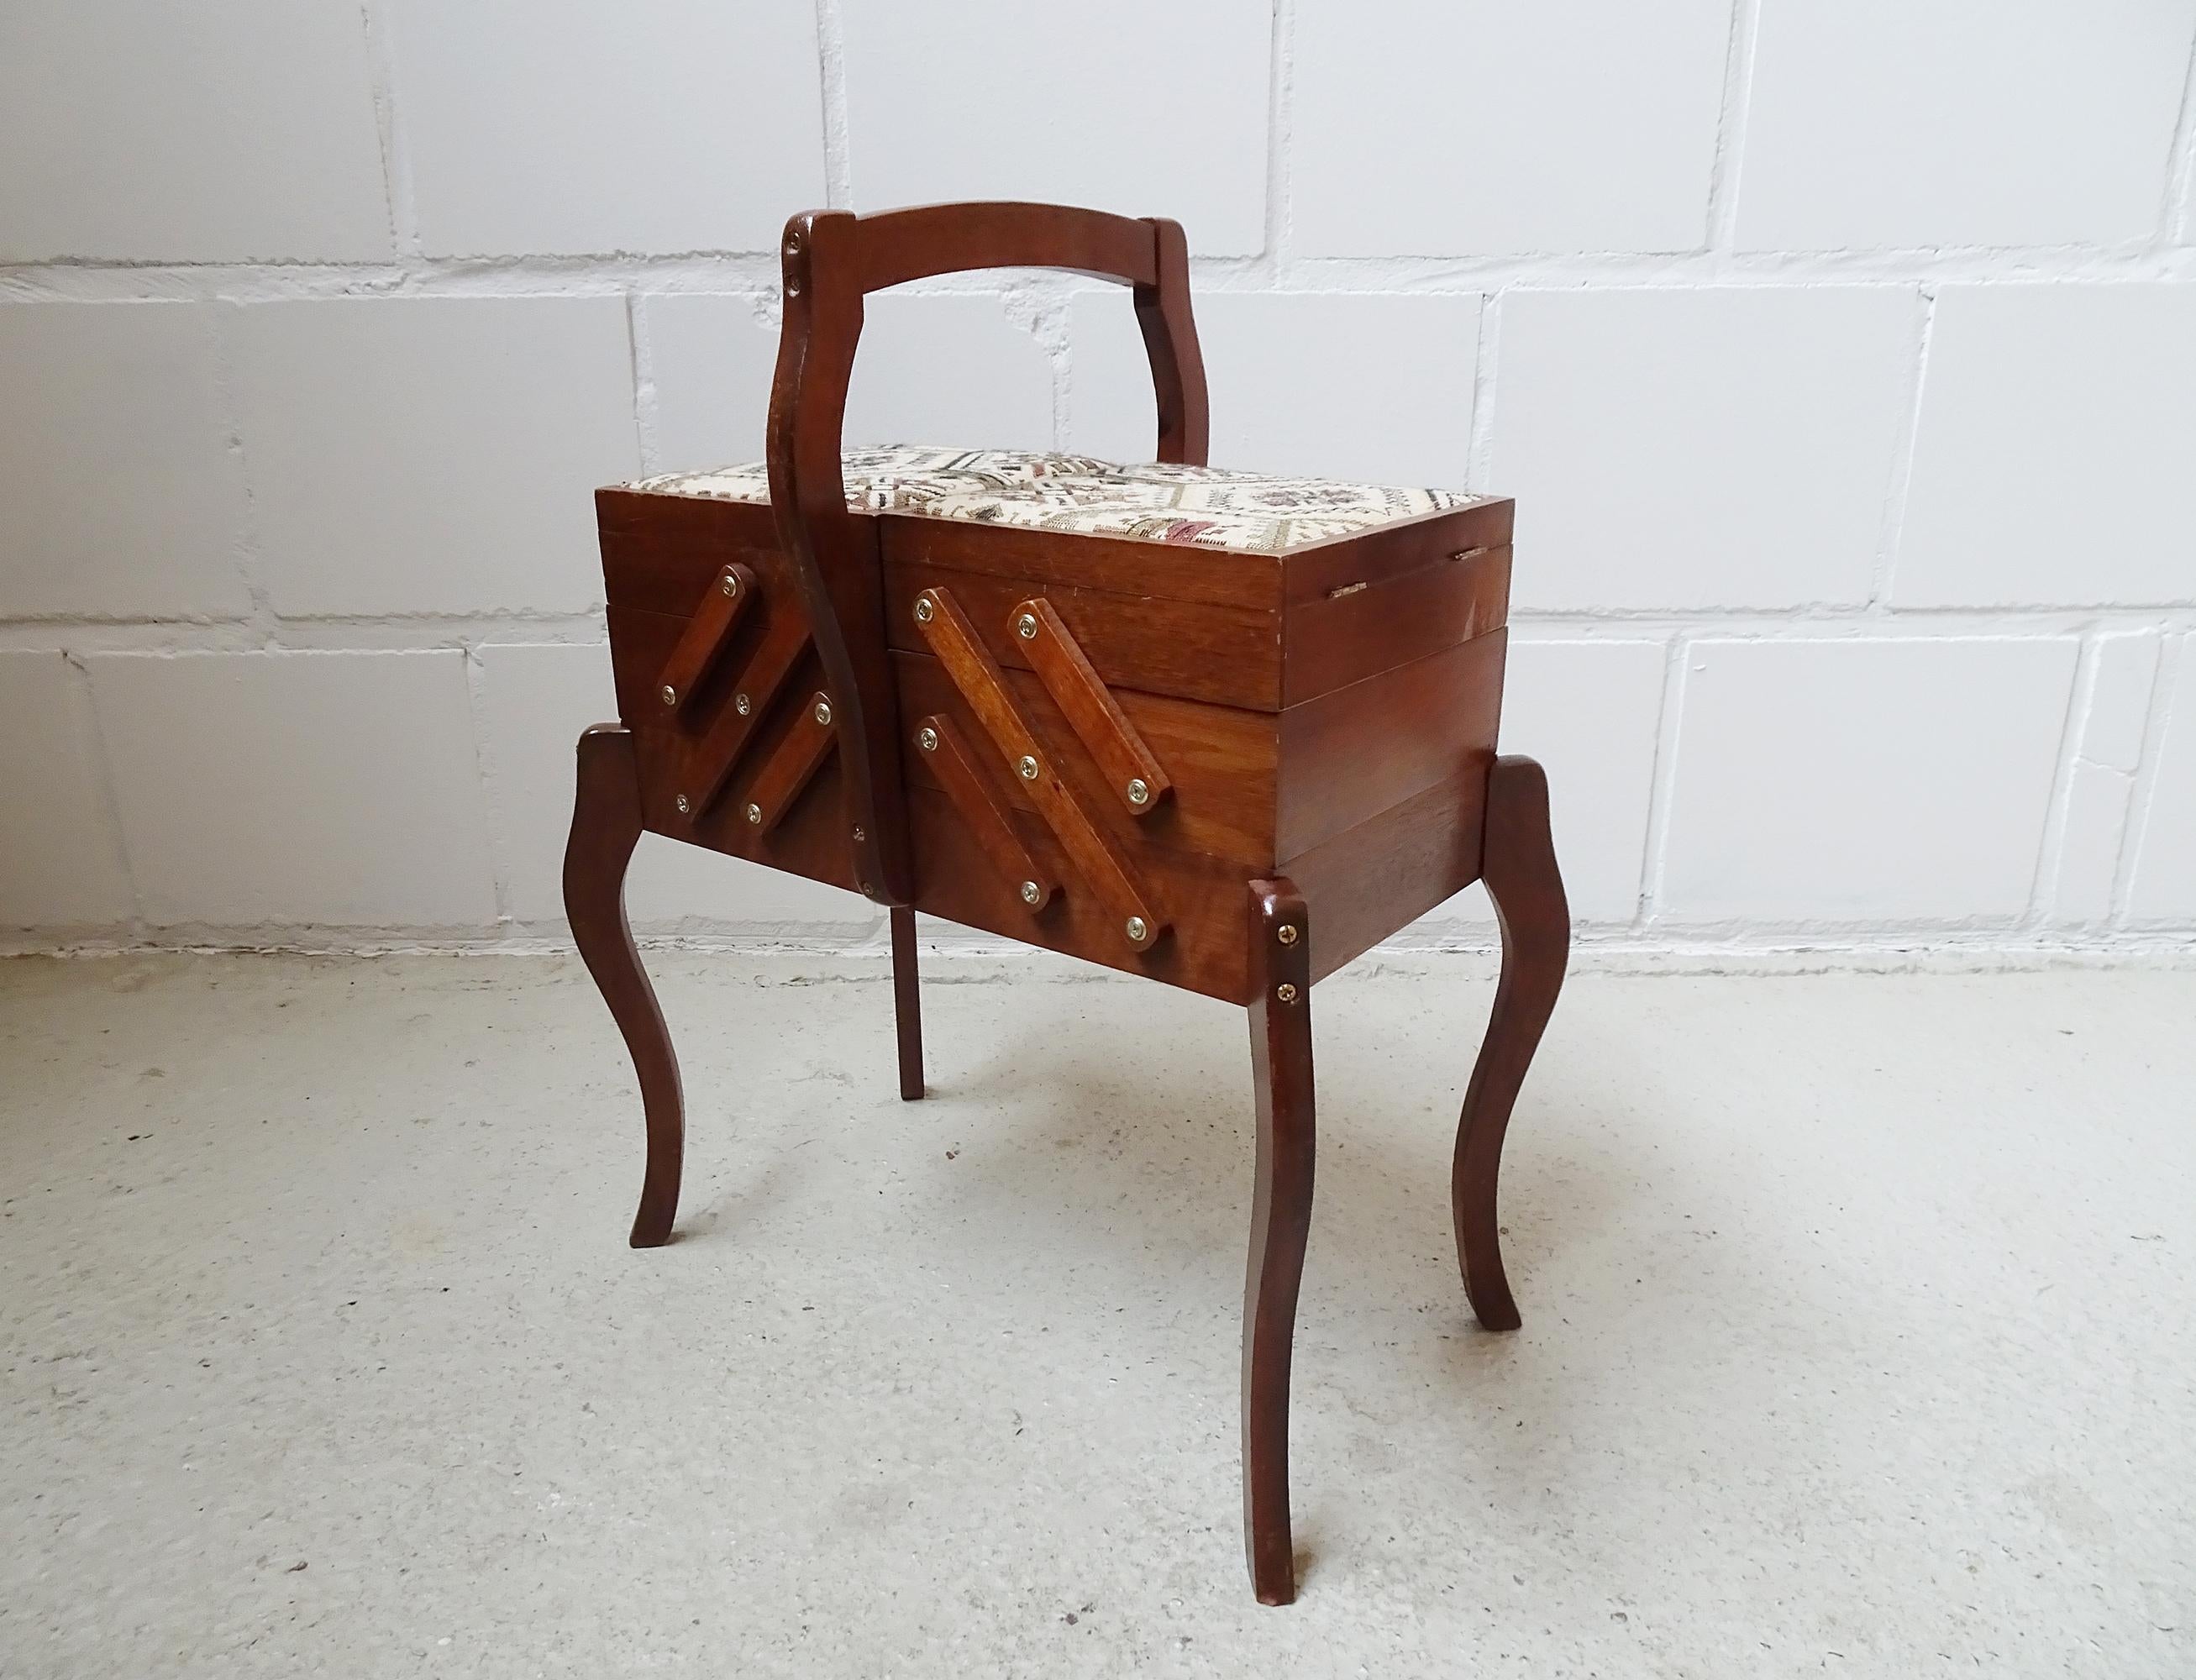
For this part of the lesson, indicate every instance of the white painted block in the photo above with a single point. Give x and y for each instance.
(2053, 462)
(297, 789)
(2120, 700)
(2164, 887)
(123, 499)
(649, 126)
(433, 455)
(1864, 781)
(536, 699)
(952, 370)
(61, 866)
(1445, 128)
(1147, 109)
(1907, 124)
(1367, 386)
(220, 131)
(1589, 711)
(1719, 446)
(710, 357)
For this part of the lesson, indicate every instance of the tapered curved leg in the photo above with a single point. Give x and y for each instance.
(907, 1004)
(1281, 1220)
(1519, 868)
(605, 828)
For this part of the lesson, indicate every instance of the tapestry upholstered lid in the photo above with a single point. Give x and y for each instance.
(1207, 507)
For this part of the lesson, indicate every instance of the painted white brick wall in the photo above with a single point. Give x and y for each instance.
(1843, 360)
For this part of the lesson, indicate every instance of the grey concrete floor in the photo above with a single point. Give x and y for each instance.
(1858, 1330)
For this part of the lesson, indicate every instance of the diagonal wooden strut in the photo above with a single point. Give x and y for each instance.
(1087, 705)
(710, 628)
(786, 770)
(976, 674)
(983, 811)
(709, 760)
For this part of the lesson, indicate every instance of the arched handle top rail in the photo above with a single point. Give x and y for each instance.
(831, 259)
(898, 245)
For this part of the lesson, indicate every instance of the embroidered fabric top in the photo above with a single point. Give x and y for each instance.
(1207, 507)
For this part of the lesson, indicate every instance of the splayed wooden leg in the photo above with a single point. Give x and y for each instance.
(606, 824)
(1280, 1221)
(1519, 868)
(907, 1004)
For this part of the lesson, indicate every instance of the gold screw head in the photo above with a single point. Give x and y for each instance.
(1025, 767)
(923, 610)
(1025, 627)
(731, 584)
(683, 803)
(670, 694)
(1286, 933)
(1139, 791)
(741, 704)
(1135, 929)
(1285, 992)
(927, 738)
(1032, 892)
(754, 813)
(823, 714)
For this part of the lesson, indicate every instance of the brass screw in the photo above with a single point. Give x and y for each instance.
(1025, 627)
(923, 610)
(1027, 767)
(1286, 933)
(823, 714)
(741, 704)
(670, 694)
(927, 738)
(731, 584)
(1032, 892)
(1140, 792)
(1135, 929)
(683, 803)
(754, 813)
(1285, 992)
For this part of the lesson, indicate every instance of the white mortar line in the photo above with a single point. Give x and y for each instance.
(1723, 173)
(644, 414)
(2174, 668)
(1662, 781)
(485, 782)
(109, 794)
(2155, 707)
(838, 132)
(2175, 213)
(1893, 528)
(1281, 135)
(397, 194)
(2045, 886)
(1479, 456)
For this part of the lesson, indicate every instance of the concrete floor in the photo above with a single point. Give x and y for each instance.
(1858, 1330)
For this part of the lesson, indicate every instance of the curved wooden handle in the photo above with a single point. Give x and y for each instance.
(832, 259)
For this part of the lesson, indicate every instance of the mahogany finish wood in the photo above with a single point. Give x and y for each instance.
(606, 826)
(1098, 861)
(1087, 705)
(1319, 723)
(907, 1004)
(1280, 1221)
(970, 789)
(1519, 868)
(707, 632)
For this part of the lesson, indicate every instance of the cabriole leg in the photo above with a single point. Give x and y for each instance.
(606, 824)
(1519, 868)
(1281, 1220)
